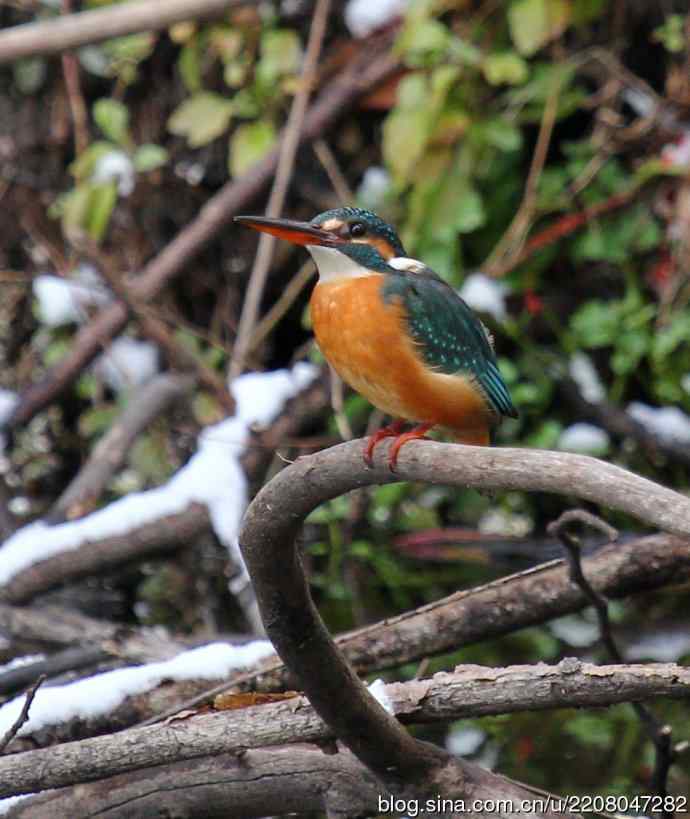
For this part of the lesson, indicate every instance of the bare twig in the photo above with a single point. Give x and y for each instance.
(511, 244)
(335, 175)
(287, 298)
(13, 730)
(70, 72)
(658, 733)
(75, 30)
(286, 159)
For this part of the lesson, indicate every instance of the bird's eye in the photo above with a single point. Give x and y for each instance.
(357, 229)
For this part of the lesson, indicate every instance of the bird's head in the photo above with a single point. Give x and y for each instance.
(343, 241)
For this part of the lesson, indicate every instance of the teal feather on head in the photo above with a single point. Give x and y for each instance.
(375, 225)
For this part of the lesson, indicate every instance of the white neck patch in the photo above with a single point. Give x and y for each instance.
(332, 264)
(408, 265)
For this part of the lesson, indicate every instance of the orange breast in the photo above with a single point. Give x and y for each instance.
(364, 340)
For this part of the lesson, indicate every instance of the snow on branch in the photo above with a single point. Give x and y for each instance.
(213, 478)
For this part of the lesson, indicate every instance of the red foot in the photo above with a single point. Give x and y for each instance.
(391, 431)
(401, 440)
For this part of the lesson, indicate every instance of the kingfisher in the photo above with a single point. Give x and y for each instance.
(395, 331)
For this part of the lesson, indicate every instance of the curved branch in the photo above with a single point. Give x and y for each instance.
(292, 622)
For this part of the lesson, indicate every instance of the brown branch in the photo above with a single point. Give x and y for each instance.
(469, 691)
(372, 65)
(293, 779)
(286, 161)
(70, 73)
(511, 243)
(166, 534)
(659, 733)
(295, 627)
(109, 454)
(493, 610)
(12, 731)
(158, 537)
(88, 27)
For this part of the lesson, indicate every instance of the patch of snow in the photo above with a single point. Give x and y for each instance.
(363, 17)
(574, 630)
(643, 104)
(678, 152)
(127, 363)
(584, 438)
(17, 662)
(670, 424)
(213, 476)
(62, 301)
(377, 689)
(585, 375)
(485, 294)
(667, 647)
(10, 801)
(507, 524)
(464, 740)
(375, 185)
(116, 165)
(8, 401)
(102, 693)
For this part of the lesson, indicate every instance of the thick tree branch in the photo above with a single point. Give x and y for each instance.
(492, 610)
(159, 537)
(469, 691)
(75, 30)
(293, 779)
(268, 538)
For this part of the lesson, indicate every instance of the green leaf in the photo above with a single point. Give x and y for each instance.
(671, 33)
(501, 134)
(148, 157)
(533, 23)
(112, 117)
(201, 118)
(84, 165)
(281, 54)
(249, 144)
(189, 65)
(596, 323)
(101, 202)
(630, 349)
(422, 43)
(669, 338)
(506, 68)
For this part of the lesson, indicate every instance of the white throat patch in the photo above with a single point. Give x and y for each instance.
(332, 264)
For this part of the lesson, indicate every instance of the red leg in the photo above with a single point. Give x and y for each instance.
(401, 440)
(391, 431)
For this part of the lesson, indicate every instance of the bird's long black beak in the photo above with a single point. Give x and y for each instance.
(299, 233)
